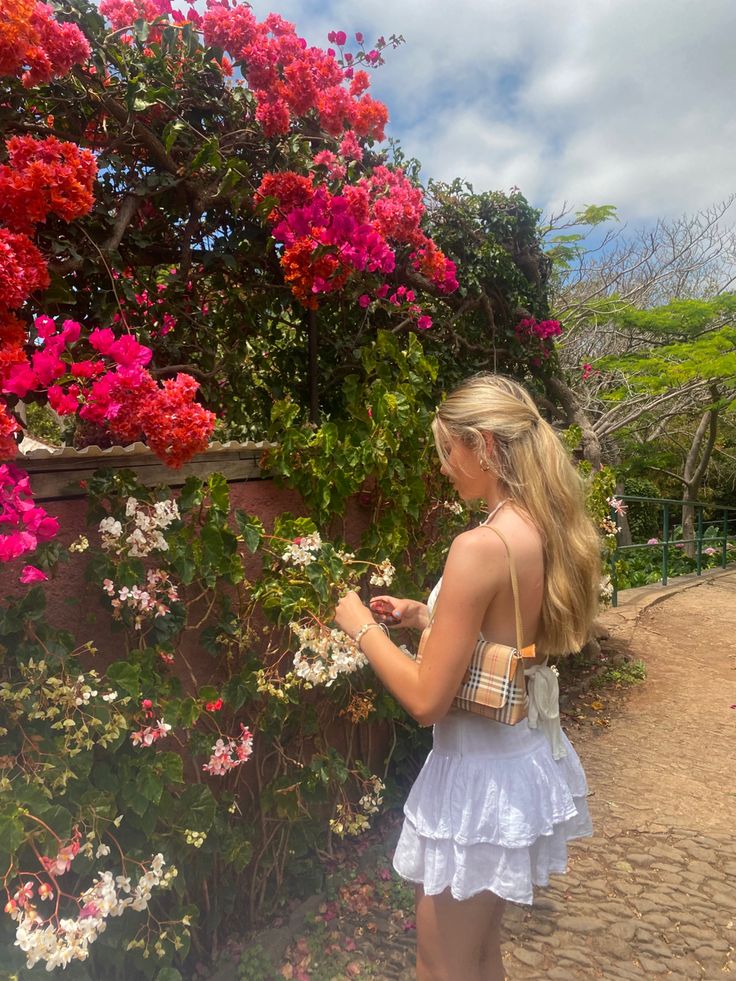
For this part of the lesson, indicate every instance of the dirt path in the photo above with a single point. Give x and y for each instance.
(654, 893)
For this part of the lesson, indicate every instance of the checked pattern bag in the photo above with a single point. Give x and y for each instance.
(494, 684)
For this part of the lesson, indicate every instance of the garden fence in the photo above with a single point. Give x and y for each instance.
(715, 529)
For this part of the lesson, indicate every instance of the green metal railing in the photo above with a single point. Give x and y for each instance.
(725, 516)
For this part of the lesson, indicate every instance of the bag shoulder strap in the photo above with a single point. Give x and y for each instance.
(514, 588)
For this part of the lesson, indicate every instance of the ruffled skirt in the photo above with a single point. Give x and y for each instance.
(491, 810)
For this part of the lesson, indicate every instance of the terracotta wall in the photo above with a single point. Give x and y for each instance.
(74, 604)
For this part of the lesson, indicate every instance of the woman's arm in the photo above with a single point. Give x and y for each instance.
(474, 569)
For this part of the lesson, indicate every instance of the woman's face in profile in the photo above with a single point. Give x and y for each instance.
(462, 469)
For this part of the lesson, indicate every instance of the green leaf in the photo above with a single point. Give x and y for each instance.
(192, 494)
(125, 676)
(208, 155)
(58, 819)
(211, 538)
(171, 133)
(149, 785)
(171, 766)
(188, 712)
(198, 807)
(251, 528)
(219, 492)
(168, 974)
(12, 834)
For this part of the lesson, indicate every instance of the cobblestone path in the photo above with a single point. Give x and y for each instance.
(654, 893)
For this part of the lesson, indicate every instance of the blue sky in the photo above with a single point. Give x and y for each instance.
(627, 102)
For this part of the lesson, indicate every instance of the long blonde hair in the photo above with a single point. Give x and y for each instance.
(536, 472)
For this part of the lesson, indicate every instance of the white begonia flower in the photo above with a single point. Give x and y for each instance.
(384, 575)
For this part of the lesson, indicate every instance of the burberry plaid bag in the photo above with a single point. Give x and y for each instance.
(494, 684)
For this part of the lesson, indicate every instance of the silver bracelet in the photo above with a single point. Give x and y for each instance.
(367, 626)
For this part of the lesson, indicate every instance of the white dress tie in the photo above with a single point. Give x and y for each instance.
(544, 705)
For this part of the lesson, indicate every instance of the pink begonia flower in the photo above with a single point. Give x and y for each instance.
(358, 37)
(653, 541)
(364, 301)
(30, 574)
(424, 322)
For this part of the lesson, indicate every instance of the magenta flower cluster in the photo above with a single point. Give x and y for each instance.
(23, 524)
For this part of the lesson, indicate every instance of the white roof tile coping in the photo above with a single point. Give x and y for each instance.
(34, 449)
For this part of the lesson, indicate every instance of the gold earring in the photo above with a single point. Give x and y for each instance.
(483, 464)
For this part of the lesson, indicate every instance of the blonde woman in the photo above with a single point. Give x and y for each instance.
(490, 814)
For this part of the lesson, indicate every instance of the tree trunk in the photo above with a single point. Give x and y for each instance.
(695, 466)
(576, 416)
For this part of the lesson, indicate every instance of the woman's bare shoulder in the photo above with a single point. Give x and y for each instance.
(514, 524)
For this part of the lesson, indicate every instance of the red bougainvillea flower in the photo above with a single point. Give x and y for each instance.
(123, 13)
(12, 338)
(44, 177)
(8, 428)
(287, 77)
(34, 45)
(176, 427)
(291, 190)
(22, 268)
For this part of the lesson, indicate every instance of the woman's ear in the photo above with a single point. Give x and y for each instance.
(490, 444)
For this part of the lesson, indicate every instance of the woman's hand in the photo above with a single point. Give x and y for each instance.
(351, 614)
(399, 612)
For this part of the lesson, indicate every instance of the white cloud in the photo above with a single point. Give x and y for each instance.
(627, 102)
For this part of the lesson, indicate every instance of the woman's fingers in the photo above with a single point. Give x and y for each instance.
(382, 603)
(384, 607)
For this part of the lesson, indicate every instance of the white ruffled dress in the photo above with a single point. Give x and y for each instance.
(495, 805)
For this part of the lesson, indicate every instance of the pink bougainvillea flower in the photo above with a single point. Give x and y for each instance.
(65, 403)
(19, 380)
(47, 367)
(45, 326)
(30, 574)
